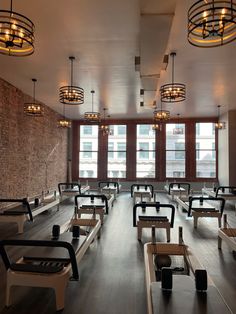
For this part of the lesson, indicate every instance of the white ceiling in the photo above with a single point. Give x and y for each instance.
(105, 36)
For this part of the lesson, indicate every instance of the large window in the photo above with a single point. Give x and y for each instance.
(175, 150)
(205, 150)
(116, 166)
(88, 151)
(145, 155)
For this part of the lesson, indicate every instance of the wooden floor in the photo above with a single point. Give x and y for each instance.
(112, 271)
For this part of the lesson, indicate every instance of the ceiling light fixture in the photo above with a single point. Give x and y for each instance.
(161, 115)
(71, 94)
(156, 127)
(212, 23)
(63, 122)
(16, 34)
(33, 108)
(92, 116)
(104, 127)
(178, 130)
(219, 125)
(173, 92)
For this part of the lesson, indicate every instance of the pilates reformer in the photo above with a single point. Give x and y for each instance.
(177, 283)
(227, 192)
(20, 210)
(90, 203)
(142, 192)
(151, 215)
(50, 263)
(109, 187)
(71, 189)
(174, 189)
(197, 207)
(228, 234)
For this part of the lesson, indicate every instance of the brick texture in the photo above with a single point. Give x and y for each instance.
(33, 150)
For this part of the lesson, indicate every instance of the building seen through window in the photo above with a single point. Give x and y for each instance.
(88, 155)
(116, 164)
(175, 151)
(145, 153)
(205, 150)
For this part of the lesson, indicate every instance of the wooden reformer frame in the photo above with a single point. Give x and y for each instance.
(227, 234)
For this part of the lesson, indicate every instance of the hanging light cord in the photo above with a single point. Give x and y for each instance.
(34, 80)
(92, 92)
(71, 78)
(173, 68)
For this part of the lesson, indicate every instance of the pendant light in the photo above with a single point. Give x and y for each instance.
(33, 108)
(16, 34)
(173, 92)
(219, 125)
(71, 94)
(212, 23)
(64, 123)
(92, 116)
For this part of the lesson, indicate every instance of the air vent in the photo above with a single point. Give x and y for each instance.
(137, 63)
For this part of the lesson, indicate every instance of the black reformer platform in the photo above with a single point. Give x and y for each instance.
(145, 220)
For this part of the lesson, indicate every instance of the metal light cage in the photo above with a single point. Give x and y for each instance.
(173, 92)
(161, 115)
(33, 108)
(16, 34)
(212, 23)
(92, 116)
(64, 123)
(71, 94)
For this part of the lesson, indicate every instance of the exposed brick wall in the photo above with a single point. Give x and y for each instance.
(30, 147)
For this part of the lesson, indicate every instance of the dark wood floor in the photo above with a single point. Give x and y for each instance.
(112, 271)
